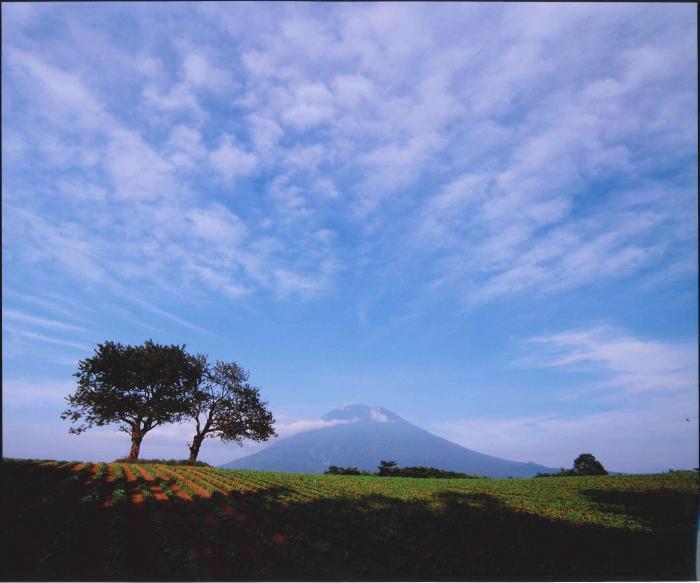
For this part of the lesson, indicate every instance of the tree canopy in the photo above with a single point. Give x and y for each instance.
(587, 465)
(138, 387)
(224, 405)
(584, 465)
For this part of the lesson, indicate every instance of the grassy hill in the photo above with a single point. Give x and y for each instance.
(69, 520)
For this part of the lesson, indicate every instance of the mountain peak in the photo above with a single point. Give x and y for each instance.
(361, 413)
(361, 436)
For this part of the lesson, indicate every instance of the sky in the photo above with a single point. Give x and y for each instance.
(482, 217)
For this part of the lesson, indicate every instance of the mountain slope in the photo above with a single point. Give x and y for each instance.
(361, 436)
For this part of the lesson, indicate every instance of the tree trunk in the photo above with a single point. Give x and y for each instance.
(194, 448)
(136, 439)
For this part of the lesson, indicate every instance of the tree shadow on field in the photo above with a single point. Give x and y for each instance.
(659, 509)
(278, 535)
(476, 537)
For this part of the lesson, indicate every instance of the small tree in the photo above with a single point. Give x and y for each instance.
(386, 468)
(139, 387)
(587, 465)
(223, 405)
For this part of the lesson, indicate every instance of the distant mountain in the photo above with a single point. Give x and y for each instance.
(360, 436)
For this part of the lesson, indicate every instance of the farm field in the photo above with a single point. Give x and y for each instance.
(77, 521)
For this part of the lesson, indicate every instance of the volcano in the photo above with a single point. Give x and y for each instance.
(360, 436)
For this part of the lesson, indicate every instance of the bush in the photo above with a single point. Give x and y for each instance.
(423, 472)
(390, 469)
(338, 471)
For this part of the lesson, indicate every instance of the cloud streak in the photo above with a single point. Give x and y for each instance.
(632, 364)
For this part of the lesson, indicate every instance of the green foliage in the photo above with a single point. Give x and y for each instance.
(429, 472)
(138, 387)
(584, 465)
(391, 469)
(339, 471)
(225, 406)
(131, 384)
(386, 468)
(587, 465)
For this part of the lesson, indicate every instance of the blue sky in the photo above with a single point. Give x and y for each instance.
(482, 217)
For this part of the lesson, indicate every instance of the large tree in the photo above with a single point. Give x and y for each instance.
(138, 387)
(223, 405)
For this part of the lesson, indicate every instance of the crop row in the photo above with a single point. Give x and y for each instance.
(131, 521)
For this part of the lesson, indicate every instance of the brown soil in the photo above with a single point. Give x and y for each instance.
(225, 506)
(236, 485)
(204, 478)
(179, 492)
(106, 500)
(135, 496)
(195, 487)
(91, 477)
(156, 491)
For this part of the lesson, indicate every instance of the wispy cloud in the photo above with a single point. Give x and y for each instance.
(44, 338)
(51, 302)
(165, 314)
(285, 430)
(634, 365)
(501, 155)
(649, 426)
(20, 316)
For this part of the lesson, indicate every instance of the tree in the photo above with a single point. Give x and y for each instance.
(223, 405)
(587, 465)
(139, 387)
(386, 468)
(339, 471)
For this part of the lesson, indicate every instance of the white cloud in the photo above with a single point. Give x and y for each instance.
(259, 63)
(65, 91)
(352, 90)
(310, 105)
(265, 132)
(52, 302)
(632, 364)
(376, 99)
(163, 313)
(186, 147)
(296, 427)
(45, 338)
(137, 170)
(377, 415)
(218, 224)
(231, 161)
(179, 97)
(198, 72)
(20, 316)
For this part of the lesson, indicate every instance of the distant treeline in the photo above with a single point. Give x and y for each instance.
(391, 469)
